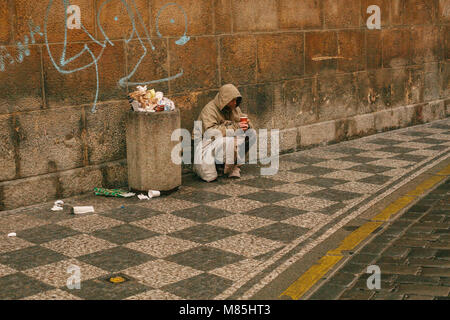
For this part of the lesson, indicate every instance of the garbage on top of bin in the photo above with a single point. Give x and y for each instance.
(144, 100)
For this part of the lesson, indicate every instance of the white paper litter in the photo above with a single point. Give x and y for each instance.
(58, 205)
(143, 197)
(12, 234)
(128, 195)
(83, 210)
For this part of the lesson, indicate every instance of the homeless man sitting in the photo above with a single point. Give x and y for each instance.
(223, 133)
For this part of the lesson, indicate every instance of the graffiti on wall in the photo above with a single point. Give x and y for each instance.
(73, 20)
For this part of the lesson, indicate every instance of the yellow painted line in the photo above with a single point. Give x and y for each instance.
(446, 171)
(327, 262)
(394, 208)
(426, 185)
(310, 277)
(355, 238)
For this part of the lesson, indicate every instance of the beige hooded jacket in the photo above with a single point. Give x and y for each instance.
(215, 116)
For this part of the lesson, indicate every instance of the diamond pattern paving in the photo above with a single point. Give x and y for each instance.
(200, 241)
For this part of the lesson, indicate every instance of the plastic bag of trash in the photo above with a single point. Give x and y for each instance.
(118, 193)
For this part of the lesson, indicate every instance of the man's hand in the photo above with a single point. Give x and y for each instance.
(243, 126)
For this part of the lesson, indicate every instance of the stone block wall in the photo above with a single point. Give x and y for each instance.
(311, 68)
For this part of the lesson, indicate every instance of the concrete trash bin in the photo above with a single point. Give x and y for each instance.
(149, 149)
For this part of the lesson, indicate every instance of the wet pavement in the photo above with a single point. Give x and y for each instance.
(230, 239)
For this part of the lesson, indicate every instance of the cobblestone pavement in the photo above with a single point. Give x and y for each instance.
(413, 254)
(230, 238)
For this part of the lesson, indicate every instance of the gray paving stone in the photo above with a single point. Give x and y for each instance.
(387, 296)
(422, 253)
(203, 233)
(124, 233)
(274, 212)
(101, 289)
(422, 279)
(436, 272)
(327, 292)
(279, 232)
(18, 285)
(200, 197)
(352, 268)
(30, 257)
(313, 170)
(421, 262)
(116, 259)
(202, 213)
(46, 233)
(396, 252)
(201, 287)
(131, 213)
(267, 196)
(363, 259)
(342, 279)
(422, 289)
(205, 258)
(354, 294)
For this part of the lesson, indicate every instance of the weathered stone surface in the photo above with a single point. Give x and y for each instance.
(280, 56)
(7, 154)
(294, 14)
(397, 12)
(317, 134)
(420, 11)
(5, 27)
(254, 15)
(434, 111)
(341, 13)
(149, 151)
(21, 81)
(444, 11)
(353, 51)
(36, 11)
(74, 182)
(431, 86)
(257, 103)
(191, 105)
(150, 65)
(49, 141)
(114, 20)
(71, 87)
(387, 120)
(362, 125)
(414, 87)
(445, 79)
(382, 89)
(105, 132)
(297, 103)
(425, 44)
(396, 48)
(170, 19)
(320, 52)
(222, 16)
(38, 189)
(197, 62)
(115, 174)
(374, 50)
(336, 97)
(288, 140)
(238, 59)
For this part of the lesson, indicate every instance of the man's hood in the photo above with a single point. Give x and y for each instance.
(227, 93)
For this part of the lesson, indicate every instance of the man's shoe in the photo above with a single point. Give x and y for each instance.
(228, 168)
(236, 173)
